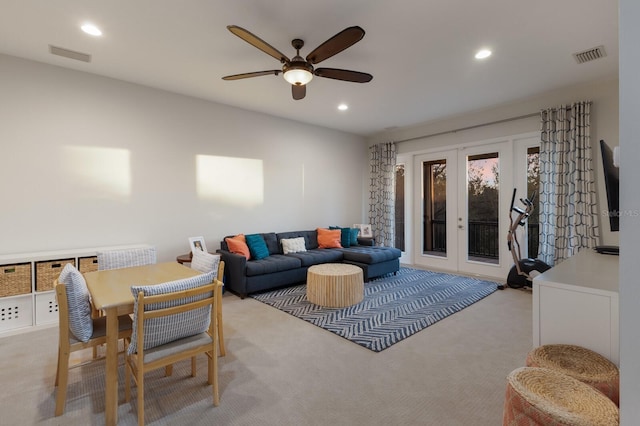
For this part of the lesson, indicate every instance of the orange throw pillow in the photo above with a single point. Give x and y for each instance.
(329, 238)
(238, 245)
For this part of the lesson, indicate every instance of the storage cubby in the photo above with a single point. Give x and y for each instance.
(27, 296)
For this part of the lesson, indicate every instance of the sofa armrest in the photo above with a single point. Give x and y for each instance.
(235, 266)
(366, 241)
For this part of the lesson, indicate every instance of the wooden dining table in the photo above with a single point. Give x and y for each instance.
(111, 293)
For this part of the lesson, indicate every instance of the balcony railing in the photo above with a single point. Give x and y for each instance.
(484, 238)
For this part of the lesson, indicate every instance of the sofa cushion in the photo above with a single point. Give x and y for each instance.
(271, 264)
(370, 255)
(272, 242)
(238, 245)
(310, 238)
(293, 245)
(318, 256)
(329, 238)
(257, 246)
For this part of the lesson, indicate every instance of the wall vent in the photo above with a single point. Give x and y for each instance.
(590, 54)
(78, 56)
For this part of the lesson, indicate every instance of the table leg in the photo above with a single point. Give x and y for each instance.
(111, 376)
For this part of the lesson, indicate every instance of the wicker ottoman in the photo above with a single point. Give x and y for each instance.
(538, 396)
(580, 363)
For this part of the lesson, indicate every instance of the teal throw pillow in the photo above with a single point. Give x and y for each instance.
(345, 237)
(257, 246)
(354, 235)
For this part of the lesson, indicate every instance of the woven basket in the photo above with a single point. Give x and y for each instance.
(47, 272)
(580, 363)
(88, 264)
(538, 396)
(15, 279)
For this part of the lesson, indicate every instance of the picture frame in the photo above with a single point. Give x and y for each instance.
(365, 230)
(197, 243)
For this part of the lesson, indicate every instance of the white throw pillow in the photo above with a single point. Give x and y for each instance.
(80, 322)
(293, 245)
(205, 262)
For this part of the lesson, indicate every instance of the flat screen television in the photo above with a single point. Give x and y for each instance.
(612, 185)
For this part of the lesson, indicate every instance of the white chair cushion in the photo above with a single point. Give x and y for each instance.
(78, 300)
(205, 262)
(116, 259)
(293, 245)
(163, 330)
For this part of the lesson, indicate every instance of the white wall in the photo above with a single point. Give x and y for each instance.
(89, 161)
(604, 125)
(629, 203)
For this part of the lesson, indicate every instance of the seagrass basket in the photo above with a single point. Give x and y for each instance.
(543, 397)
(88, 264)
(580, 363)
(15, 279)
(47, 272)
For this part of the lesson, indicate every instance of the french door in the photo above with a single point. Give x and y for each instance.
(461, 212)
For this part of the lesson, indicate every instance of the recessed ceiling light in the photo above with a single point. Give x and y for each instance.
(482, 54)
(91, 29)
(343, 107)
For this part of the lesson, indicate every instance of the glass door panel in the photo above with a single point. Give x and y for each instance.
(483, 210)
(434, 222)
(483, 194)
(435, 189)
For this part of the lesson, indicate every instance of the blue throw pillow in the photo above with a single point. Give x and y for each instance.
(257, 246)
(345, 237)
(354, 236)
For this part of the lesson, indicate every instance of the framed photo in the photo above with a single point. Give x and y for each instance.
(197, 243)
(365, 230)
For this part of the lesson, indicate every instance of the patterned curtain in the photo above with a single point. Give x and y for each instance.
(382, 192)
(568, 210)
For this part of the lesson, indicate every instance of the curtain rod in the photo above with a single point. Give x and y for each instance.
(520, 117)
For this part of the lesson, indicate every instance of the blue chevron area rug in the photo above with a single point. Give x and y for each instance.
(394, 307)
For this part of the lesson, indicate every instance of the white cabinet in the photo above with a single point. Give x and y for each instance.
(27, 298)
(576, 302)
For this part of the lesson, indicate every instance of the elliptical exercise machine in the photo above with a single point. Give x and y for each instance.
(523, 271)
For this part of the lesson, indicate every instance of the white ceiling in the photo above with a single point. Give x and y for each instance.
(420, 52)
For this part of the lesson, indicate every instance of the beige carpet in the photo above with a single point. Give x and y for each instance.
(280, 370)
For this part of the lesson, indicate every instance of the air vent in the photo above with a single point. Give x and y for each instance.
(78, 56)
(590, 55)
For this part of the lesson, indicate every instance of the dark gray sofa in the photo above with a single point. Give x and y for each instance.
(243, 277)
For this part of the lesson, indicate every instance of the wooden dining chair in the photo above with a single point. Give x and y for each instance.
(78, 330)
(171, 322)
(126, 258)
(206, 262)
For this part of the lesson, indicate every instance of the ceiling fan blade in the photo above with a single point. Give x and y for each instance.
(345, 75)
(256, 41)
(251, 74)
(336, 44)
(298, 91)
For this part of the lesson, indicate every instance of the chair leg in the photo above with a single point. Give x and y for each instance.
(212, 361)
(57, 368)
(127, 379)
(62, 378)
(168, 370)
(223, 352)
(140, 383)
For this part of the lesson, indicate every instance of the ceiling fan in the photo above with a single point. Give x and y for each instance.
(299, 71)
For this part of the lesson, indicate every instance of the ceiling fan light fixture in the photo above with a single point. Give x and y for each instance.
(299, 77)
(298, 73)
